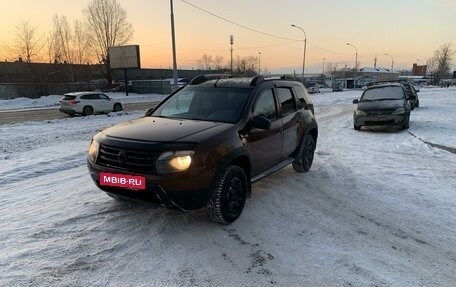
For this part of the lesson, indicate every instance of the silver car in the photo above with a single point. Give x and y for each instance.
(88, 103)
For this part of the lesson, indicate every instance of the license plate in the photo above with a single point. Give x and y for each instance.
(123, 180)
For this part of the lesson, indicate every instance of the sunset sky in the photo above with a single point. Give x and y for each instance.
(408, 30)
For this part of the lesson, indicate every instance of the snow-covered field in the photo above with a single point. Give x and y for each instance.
(378, 208)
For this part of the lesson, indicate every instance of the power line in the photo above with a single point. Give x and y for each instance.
(257, 31)
(237, 24)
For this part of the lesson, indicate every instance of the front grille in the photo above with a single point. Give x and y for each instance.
(127, 159)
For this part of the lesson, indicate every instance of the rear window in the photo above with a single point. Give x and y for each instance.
(68, 97)
(383, 93)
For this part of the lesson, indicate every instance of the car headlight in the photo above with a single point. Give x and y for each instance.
(361, 113)
(399, 111)
(93, 150)
(174, 161)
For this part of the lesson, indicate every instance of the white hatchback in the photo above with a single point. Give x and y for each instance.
(88, 103)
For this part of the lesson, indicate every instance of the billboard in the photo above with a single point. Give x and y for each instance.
(124, 57)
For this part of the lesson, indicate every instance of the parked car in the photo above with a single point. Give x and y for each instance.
(412, 95)
(88, 103)
(181, 82)
(206, 143)
(382, 105)
(313, 90)
(337, 89)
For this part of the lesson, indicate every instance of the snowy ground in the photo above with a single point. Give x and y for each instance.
(378, 208)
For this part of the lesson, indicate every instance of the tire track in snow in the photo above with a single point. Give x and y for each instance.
(25, 172)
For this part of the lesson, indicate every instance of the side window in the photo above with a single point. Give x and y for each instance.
(103, 97)
(301, 99)
(265, 105)
(90, 97)
(286, 100)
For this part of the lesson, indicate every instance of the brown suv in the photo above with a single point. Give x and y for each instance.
(206, 143)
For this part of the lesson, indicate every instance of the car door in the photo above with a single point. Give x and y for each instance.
(265, 145)
(105, 103)
(290, 120)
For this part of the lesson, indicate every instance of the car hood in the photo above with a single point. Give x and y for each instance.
(384, 105)
(156, 129)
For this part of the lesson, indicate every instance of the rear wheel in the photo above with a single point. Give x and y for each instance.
(303, 161)
(87, 111)
(417, 103)
(117, 107)
(227, 200)
(357, 127)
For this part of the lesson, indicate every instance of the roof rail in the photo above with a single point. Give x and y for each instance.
(255, 81)
(206, 77)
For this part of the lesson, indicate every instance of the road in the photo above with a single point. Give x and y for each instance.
(41, 114)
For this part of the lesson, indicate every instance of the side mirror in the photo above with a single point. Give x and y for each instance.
(355, 101)
(262, 122)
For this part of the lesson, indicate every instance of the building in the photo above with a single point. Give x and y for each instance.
(419, 70)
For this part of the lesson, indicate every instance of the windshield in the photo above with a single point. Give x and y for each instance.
(206, 103)
(383, 93)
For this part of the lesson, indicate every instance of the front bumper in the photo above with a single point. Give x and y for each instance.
(381, 119)
(172, 192)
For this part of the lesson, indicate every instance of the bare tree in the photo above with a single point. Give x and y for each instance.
(246, 66)
(63, 36)
(440, 64)
(28, 43)
(80, 44)
(106, 26)
(218, 62)
(205, 62)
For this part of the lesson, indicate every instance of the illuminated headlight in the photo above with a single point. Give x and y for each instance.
(399, 111)
(361, 113)
(93, 150)
(174, 161)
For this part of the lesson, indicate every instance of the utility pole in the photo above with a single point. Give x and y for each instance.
(304, 54)
(231, 50)
(174, 46)
(259, 63)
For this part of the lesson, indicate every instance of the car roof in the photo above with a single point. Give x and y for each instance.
(235, 82)
(80, 93)
(385, 85)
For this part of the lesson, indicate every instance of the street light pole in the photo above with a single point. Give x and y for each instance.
(356, 63)
(304, 56)
(392, 62)
(174, 46)
(231, 50)
(259, 63)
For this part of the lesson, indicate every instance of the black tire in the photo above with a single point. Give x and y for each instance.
(87, 111)
(117, 107)
(227, 200)
(357, 128)
(406, 126)
(417, 103)
(303, 161)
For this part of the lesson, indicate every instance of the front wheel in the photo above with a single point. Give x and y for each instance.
(227, 200)
(303, 161)
(406, 126)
